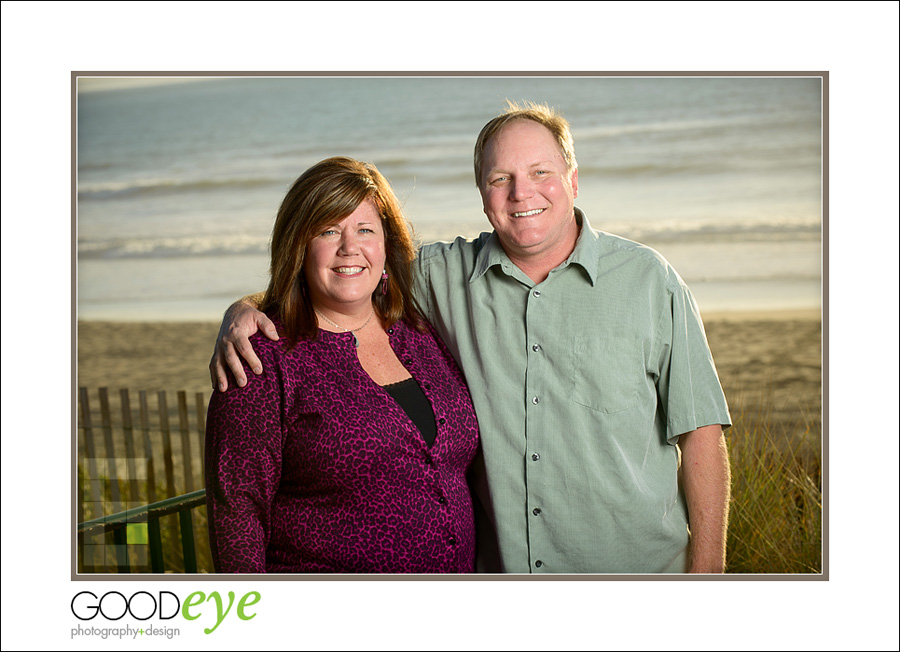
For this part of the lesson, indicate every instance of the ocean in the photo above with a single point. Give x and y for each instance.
(178, 183)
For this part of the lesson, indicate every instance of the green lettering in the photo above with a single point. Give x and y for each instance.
(190, 602)
(220, 616)
(245, 603)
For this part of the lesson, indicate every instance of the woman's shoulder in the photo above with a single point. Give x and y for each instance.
(424, 335)
(273, 350)
(419, 330)
(286, 347)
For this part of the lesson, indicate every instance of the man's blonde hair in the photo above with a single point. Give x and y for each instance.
(540, 113)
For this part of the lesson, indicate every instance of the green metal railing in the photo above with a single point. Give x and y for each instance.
(150, 514)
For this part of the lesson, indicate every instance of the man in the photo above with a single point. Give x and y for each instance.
(587, 362)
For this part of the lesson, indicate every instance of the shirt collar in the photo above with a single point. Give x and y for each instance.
(586, 253)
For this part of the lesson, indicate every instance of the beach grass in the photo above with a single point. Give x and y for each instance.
(775, 523)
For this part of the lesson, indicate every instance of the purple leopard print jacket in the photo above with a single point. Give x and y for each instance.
(313, 468)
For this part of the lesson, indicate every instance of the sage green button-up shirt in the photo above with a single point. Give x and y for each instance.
(582, 385)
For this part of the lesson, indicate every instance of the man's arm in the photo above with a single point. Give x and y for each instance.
(241, 320)
(707, 485)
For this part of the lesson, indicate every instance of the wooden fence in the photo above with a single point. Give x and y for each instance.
(130, 456)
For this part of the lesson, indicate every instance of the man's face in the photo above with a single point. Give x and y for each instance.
(528, 194)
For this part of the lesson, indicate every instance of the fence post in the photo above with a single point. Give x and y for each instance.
(201, 430)
(167, 444)
(186, 522)
(92, 480)
(185, 442)
(157, 561)
(111, 466)
(89, 449)
(130, 455)
(148, 448)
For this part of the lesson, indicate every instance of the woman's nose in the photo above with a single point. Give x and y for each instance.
(349, 243)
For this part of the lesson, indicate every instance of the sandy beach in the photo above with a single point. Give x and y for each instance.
(768, 362)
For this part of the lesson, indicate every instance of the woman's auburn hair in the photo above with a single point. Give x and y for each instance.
(321, 197)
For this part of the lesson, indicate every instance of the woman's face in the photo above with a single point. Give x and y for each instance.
(345, 261)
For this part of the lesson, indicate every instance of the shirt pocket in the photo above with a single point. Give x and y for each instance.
(606, 372)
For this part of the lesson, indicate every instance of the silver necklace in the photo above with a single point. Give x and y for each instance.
(348, 330)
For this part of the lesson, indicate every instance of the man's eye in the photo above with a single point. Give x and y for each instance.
(499, 179)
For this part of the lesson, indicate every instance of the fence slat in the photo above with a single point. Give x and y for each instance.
(167, 444)
(89, 450)
(185, 442)
(111, 461)
(79, 498)
(130, 455)
(201, 430)
(148, 448)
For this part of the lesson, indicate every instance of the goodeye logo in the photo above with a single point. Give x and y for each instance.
(165, 606)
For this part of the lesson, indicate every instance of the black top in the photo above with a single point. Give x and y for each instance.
(410, 397)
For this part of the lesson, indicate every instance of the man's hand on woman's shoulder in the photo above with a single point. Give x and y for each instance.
(241, 320)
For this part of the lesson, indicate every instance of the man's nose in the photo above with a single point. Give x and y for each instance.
(521, 188)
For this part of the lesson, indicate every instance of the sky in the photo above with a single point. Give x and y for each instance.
(97, 84)
(856, 609)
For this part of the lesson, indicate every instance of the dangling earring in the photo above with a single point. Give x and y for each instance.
(384, 282)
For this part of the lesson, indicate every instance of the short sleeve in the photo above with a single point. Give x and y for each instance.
(688, 387)
(421, 282)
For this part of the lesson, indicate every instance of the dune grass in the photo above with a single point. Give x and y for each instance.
(776, 498)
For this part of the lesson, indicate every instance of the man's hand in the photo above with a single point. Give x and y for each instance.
(242, 319)
(707, 486)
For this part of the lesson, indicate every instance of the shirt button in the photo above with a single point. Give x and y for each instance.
(536, 511)
(452, 540)
(442, 500)
(536, 400)
(535, 457)
(427, 385)
(442, 421)
(536, 348)
(390, 331)
(538, 563)
(537, 293)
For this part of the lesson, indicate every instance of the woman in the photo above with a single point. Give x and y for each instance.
(348, 454)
